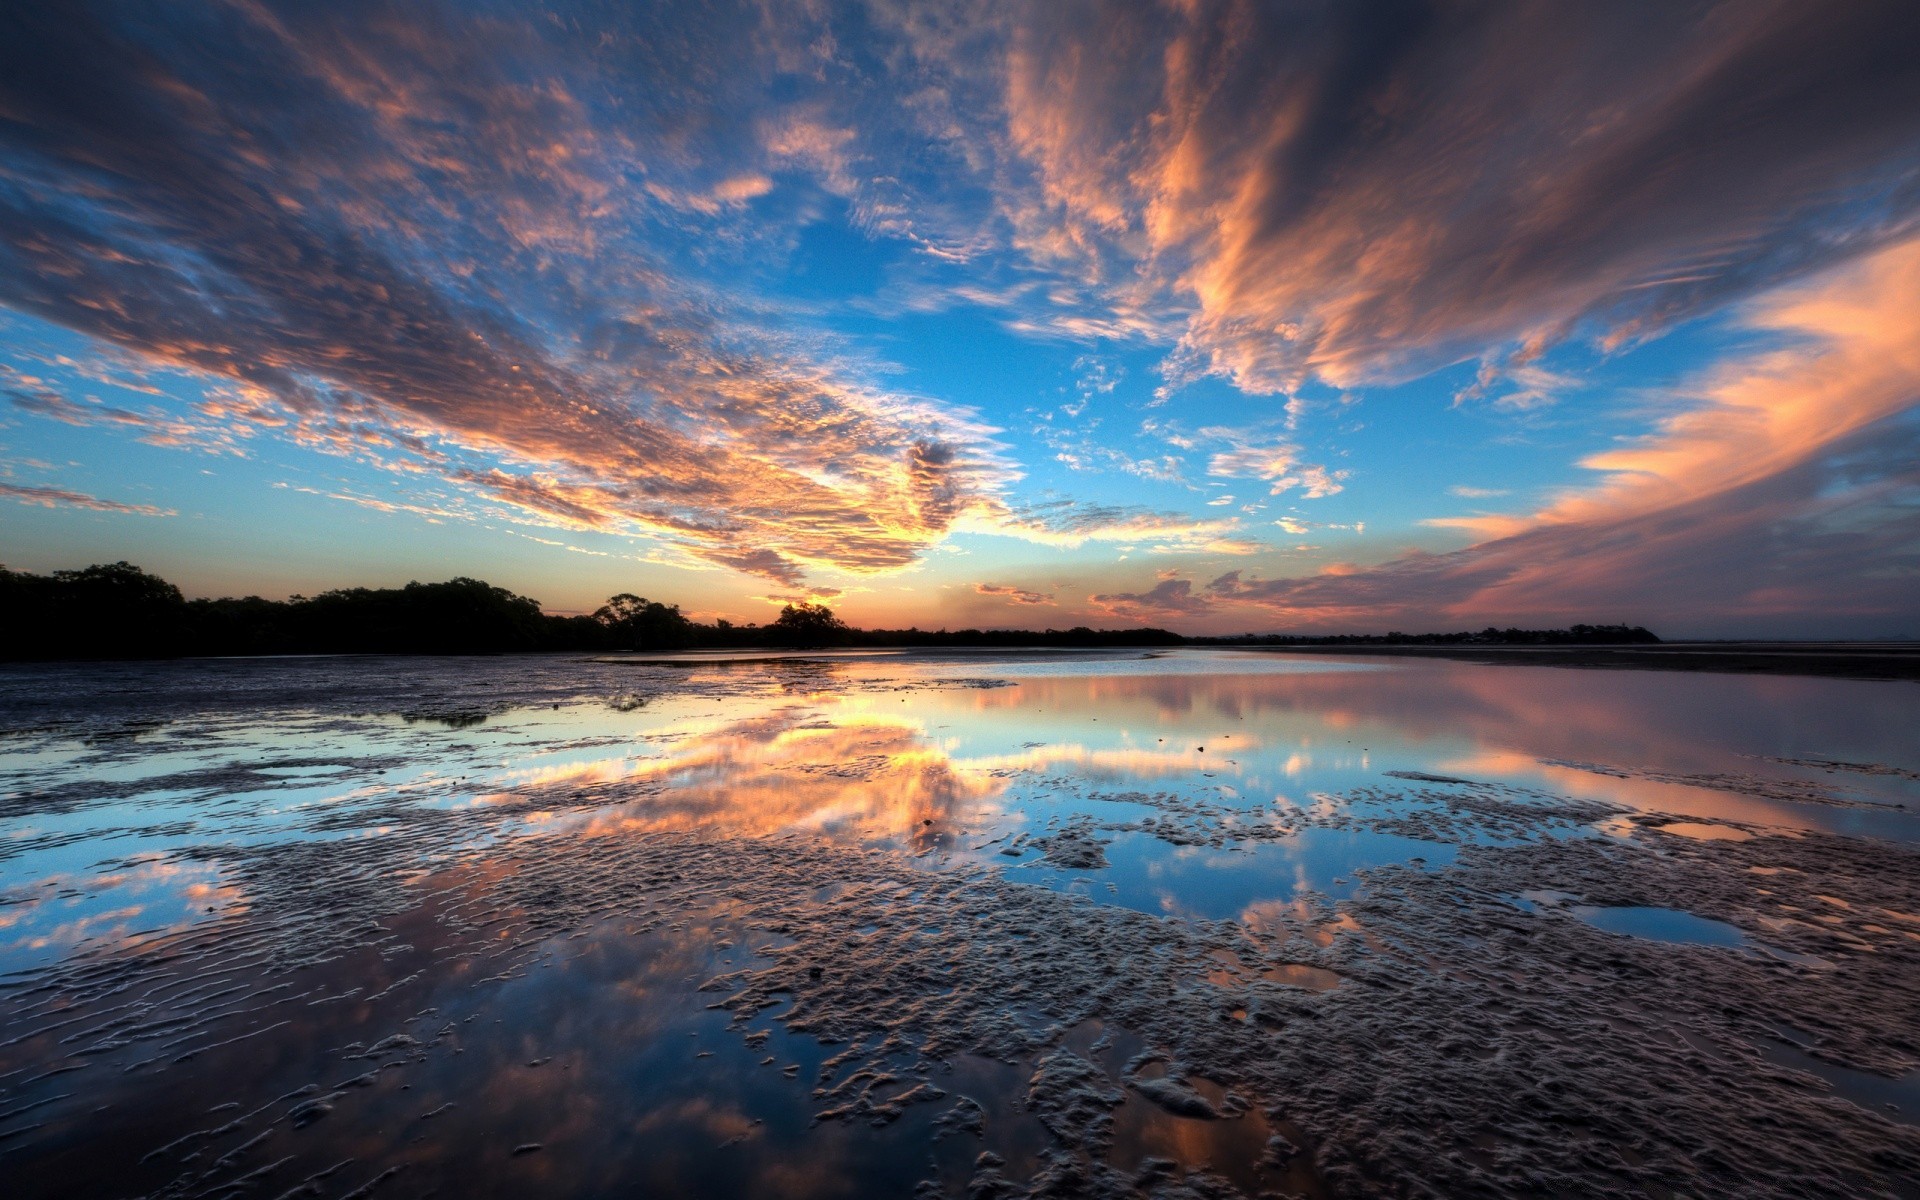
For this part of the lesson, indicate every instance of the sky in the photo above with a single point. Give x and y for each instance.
(1217, 315)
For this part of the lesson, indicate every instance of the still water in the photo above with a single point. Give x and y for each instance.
(151, 812)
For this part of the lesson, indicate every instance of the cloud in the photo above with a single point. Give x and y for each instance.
(430, 514)
(1530, 386)
(1011, 594)
(153, 427)
(1347, 194)
(728, 193)
(1168, 598)
(1070, 524)
(1830, 547)
(1083, 455)
(1784, 491)
(1295, 525)
(1234, 454)
(53, 497)
(1278, 463)
(422, 247)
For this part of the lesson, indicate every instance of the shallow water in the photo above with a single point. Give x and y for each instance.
(1662, 925)
(242, 816)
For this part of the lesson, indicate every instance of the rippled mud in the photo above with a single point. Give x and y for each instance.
(966, 926)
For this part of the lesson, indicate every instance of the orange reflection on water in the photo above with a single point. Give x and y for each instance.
(920, 766)
(862, 774)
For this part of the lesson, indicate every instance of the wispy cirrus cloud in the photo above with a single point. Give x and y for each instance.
(1070, 523)
(1279, 465)
(58, 497)
(1336, 192)
(153, 425)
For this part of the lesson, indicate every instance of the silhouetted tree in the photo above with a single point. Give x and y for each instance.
(117, 610)
(636, 623)
(460, 616)
(807, 625)
(111, 610)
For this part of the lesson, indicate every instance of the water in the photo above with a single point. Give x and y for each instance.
(1663, 925)
(144, 809)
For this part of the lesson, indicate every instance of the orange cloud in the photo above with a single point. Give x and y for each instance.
(1774, 491)
(1326, 194)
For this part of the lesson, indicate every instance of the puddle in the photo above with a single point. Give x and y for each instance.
(1703, 832)
(1313, 979)
(1675, 926)
(1896, 1099)
(1148, 875)
(1231, 1141)
(1234, 973)
(1661, 925)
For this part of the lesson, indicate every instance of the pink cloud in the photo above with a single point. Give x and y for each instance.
(1011, 594)
(55, 497)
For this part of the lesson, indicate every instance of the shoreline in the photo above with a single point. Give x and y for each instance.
(1885, 661)
(1880, 661)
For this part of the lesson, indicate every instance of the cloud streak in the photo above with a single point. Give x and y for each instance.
(1339, 192)
(56, 497)
(1011, 594)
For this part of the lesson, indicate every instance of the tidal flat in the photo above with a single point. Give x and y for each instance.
(1173, 924)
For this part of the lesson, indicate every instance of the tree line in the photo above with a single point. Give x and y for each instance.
(1577, 635)
(117, 610)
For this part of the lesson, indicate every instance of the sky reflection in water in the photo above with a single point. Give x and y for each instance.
(854, 750)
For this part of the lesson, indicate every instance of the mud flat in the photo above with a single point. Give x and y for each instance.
(881, 930)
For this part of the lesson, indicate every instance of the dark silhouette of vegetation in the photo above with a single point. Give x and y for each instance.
(1078, 638)
(1578, 635)
(807, 625)
(111, 611)
(637, 623)
(117, 610)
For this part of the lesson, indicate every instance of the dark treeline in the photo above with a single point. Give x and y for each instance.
(1578, 635)
(117, 610)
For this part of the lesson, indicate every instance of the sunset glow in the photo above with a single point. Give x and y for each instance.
(1218, 316)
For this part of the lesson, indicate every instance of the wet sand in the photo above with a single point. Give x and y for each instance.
(1132, 926)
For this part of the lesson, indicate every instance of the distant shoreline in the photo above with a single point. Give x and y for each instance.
(1878, 661)
(1883, 661)
(1835, 660)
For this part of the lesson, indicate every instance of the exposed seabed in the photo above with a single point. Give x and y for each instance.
(884, 929)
